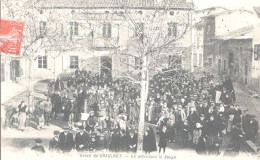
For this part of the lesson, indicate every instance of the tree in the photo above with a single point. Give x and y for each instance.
(152, 37)
(39, 38)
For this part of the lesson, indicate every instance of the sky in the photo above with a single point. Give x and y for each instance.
(229, 4)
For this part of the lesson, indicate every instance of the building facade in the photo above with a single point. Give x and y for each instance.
(228, 39)
(256, 50)
(198, 43)
(100, 36)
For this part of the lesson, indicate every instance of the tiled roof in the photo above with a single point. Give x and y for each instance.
(181, 4)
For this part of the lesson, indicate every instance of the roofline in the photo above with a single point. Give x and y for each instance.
(146, 8)
(227, 12)
(211, 8)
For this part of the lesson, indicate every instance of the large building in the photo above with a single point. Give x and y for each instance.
(256, 48)
(198, 41)
(100, 36)
(228, 39)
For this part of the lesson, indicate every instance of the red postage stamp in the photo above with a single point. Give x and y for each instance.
(11, 34)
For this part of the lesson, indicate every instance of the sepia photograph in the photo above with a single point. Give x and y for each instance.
(130, 79)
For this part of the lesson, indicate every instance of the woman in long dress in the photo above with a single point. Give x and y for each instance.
(22, 109)
(149, 142)
(163, 139)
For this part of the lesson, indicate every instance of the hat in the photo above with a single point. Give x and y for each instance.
(252, 116)
(56, 132)
(105, 129)
(131, 131)
(38, 140)
(81, 127)
(66, 128)
(238, 125)
(93, 135)
(245, 109)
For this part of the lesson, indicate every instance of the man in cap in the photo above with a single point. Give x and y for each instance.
(185, 132)
(47, 111)
(66, 142)
(59, 85)
(93, 142)
(252, 129)
(54, 142)
(107, 138)
(56, 103)
(236, 138)
(81, 139)
(132, 141)
(38, 147)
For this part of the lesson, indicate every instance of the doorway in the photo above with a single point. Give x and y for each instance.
(106, 66)
(14, 69)
(246, 73)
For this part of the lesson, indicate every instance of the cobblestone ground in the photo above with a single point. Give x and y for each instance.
(24, 140)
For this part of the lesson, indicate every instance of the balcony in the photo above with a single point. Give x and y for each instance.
(105, 43)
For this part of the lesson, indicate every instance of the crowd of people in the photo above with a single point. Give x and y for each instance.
(103, 113)
(198, 112)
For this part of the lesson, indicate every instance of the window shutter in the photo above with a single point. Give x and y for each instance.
(169, 29)
(109, 30)
(76, 28)
(104, 30)
(39, 62)
(176, 30)
(71, 30)
(256, 51)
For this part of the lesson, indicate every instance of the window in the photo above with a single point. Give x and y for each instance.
(210, 62)
(256, 51)
(42, 27)
(174, 61)
(138, 63)
(107, 30)
(198, 41)
(74, 62)
(74, 29)
(42, 62)
(139, 31)
(172, 29)
(208, 29)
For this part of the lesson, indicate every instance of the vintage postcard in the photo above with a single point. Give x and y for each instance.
(130, 79)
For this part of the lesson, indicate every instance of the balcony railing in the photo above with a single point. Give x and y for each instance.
(105, 42)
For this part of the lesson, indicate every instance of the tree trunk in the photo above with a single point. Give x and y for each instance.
(31, 94)
(54, 72)
(144, 95)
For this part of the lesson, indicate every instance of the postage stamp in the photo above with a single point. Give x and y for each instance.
(11, 34)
